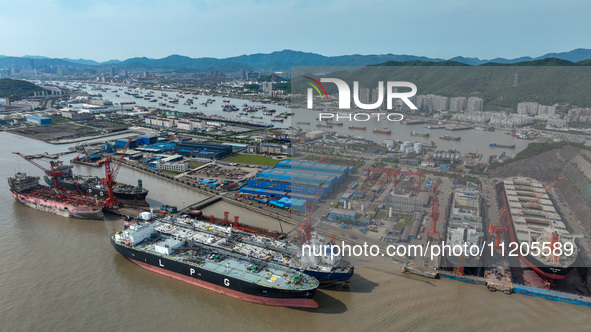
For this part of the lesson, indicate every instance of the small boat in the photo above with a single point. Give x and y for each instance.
(508, 146)
(382, 131)
(415, 133)
(450, 138)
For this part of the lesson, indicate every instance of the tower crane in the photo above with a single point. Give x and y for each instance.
(111, 173)
(307, 222)
(434, 215)
(51, 172)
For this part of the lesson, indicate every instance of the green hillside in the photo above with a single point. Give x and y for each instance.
(501, 86)
(10, 87)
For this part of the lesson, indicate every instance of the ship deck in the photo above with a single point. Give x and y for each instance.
(258, 246)
(242, 268)
(538, 221)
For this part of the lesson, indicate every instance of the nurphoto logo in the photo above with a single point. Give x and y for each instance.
(391, 88)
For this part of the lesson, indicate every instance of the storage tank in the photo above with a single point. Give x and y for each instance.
(419, 147)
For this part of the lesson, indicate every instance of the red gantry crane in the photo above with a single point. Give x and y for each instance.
(307, 222)
(394, 173)
(434, 215)
(111, 173)
(51, 172)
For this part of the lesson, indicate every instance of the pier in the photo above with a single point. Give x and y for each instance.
(202, 204)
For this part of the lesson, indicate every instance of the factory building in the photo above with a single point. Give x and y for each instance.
(203, 150)
(177, 167)
(406, 202)
(40, 120)
(297, 179)
(337, 214)
(312, 166)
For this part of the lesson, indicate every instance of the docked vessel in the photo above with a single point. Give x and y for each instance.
(458, 127)
(27, 190)
(327, 269)
(415, 133)
(450, 138)
(508, 146)
(95, 186)
(382, 131)
(85, 162)
(179, 255)
(533, 218)
(413, 122)
(465, 225)
(432, 126)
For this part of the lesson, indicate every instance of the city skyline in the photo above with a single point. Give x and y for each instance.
(106, 30)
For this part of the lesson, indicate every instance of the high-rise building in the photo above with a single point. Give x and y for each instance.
(242, 74)
(474, 104)
(547, 110)
(440, 103)
(267, 87)
(457, 104)
(527, 108)
(364, 95)
(374, 95)
(424, 103)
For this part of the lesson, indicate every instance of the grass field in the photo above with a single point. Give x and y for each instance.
(405, 220)
(195, 164)
(251, 159)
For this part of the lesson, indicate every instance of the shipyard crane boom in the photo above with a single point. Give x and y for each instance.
(307, 222)
(119, 160)
(538, 196)
(394, 173)
(54, 174)
(111, 174)
(434, 215)
(493, 227)
(324, 159)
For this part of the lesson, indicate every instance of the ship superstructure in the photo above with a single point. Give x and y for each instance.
(465, 225)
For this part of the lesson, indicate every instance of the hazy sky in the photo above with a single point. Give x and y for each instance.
(120, 29)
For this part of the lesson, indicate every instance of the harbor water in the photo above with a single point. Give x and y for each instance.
(60, 274)
(472, 140)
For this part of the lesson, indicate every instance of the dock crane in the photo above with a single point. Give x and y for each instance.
(434, 215)
(111, 173)
(55, 174)
(394, 173)
(307, 222)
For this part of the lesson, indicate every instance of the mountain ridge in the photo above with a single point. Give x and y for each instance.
(274, 61)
